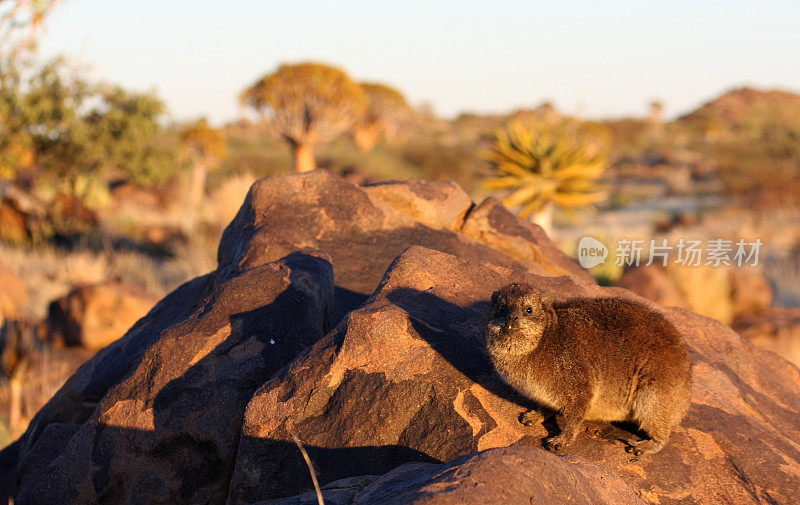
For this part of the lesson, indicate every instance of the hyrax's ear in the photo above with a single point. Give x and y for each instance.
(547, 300)
(494, 297)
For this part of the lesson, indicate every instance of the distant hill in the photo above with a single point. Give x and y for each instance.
(749, 111)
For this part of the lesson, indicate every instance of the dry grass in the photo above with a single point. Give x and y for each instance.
(49, 272)
(779, 256)
(46, 376)
(224, 201)
(310, 465)
(706, 289)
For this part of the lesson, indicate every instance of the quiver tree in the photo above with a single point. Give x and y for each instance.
(656, 119)
(541, 164)
(387, 113)
(306, 103)
(205, 147)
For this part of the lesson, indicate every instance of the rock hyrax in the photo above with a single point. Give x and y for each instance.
(602, 359)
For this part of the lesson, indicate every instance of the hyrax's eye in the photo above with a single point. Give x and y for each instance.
(529, 310)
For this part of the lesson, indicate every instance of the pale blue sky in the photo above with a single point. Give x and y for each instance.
(601, 58)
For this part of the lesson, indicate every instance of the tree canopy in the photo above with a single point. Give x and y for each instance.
(206, 147)
(204, 142)
(386, 114)
(307, 103)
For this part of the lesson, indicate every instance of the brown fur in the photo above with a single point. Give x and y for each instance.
(603, 359)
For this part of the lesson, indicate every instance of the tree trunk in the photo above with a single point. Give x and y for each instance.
(544, 218)
(366, 136)
(15, 406)
(199, 175)
(303, 157)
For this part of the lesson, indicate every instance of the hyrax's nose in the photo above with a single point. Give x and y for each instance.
(514, 317)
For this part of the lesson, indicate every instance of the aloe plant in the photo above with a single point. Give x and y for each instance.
(541, 163)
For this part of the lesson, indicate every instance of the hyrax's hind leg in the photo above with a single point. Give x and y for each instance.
(658, 408)
(649, 446)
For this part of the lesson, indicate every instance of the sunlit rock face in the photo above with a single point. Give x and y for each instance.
(351, 317)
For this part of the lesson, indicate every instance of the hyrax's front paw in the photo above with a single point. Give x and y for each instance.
(531, 417)
(556, 443)
(639, 447)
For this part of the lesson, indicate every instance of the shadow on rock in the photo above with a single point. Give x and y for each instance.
(458, 339)
(280, 459)
(182, 405)
(456, 336)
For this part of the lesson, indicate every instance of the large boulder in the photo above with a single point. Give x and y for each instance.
(157, 414)
(93, 316)
(776, 329)
(364, 229)
(653, 283)
(722, 293)
(437, 204)
(404, 379)
(702, 289)
(199, 402)
(751, 292)
(508, 476)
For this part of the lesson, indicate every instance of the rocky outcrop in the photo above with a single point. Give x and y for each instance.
(511, 475)
(413, 349)
(722, 293)
(776, 329)
(751, 293)
(653, 283)
(363, 232)
(199, 401)
(95, 315)
(158, 412)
